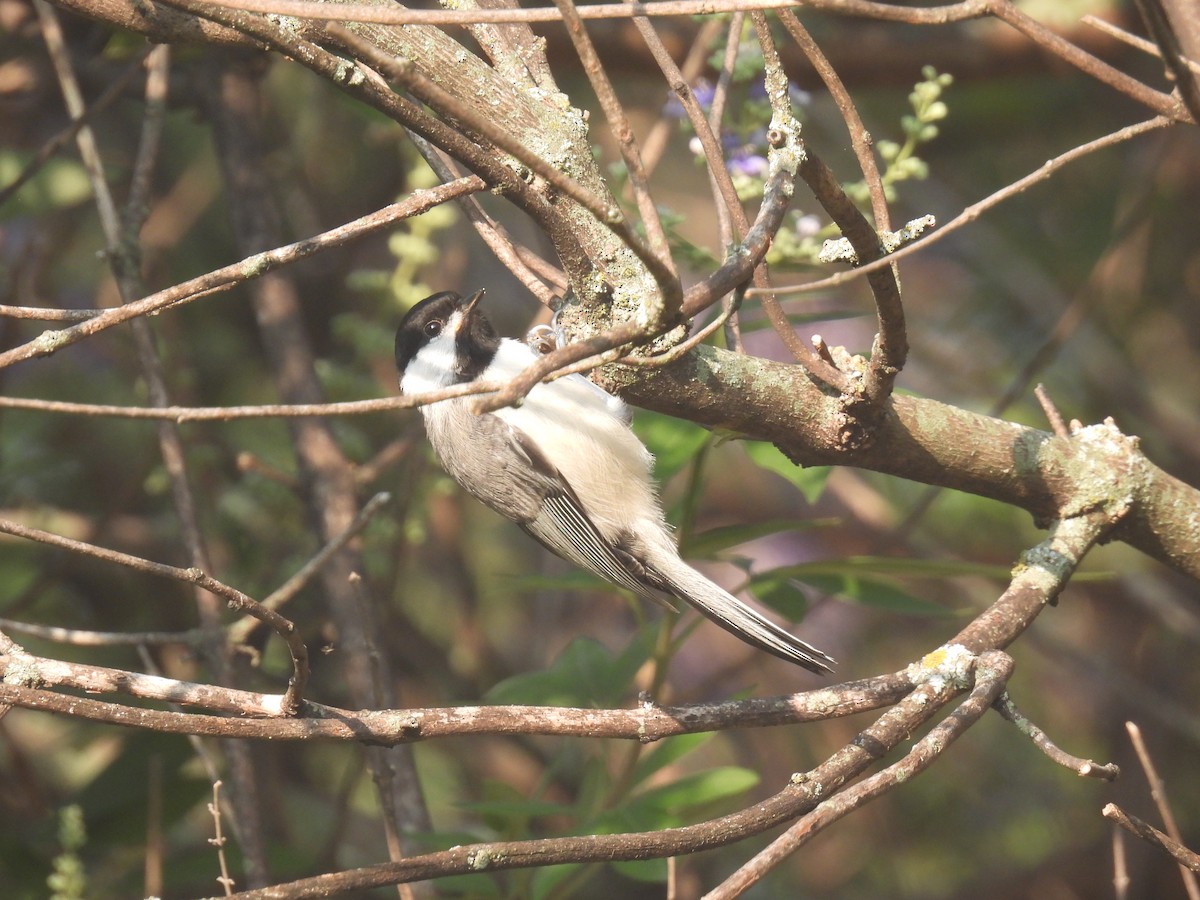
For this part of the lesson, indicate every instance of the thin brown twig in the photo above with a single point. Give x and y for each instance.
(991, 672)
(25, 668)
(80, 637)
(978, 208)
(733, 39)
(627, 143)
(693, 64)
(705, 131)
(196, 577)
(56, 143)
(1133, 40)
(406, 73)
(388, 15)
(1083, 767)
(48, 313)
(1147, 832)
(860, 139)
(218, 840)
(253, 266)
(1158, 793)
(646, 723)
(491, 232)
(1053, 416)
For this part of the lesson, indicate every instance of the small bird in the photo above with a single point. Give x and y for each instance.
(564, 465)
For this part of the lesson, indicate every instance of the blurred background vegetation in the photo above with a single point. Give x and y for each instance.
(1089, 283)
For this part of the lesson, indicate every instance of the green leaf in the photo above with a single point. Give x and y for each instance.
(547, 879)
(778, 589)
(667, 751)
(888, 565)
(810, 481)
(674, 442)
(782, 595)
(585, 674)
(671, 804)
(709, 543)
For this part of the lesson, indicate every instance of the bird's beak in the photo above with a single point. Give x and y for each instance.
(463, 317)
(471, 303)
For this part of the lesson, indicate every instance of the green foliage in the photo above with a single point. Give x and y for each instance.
(674, 442)
(68, 881)
(585, 674)
(621, 786)
(810, 481)
(920, 127)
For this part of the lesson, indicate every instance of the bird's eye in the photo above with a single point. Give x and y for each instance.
(433, 328)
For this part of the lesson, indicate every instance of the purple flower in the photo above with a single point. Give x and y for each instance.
(702, 91)
(746, 161)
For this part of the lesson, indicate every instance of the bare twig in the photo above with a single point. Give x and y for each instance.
(991, 673)
(1084, 767)
(1126, 37)
(693, 64)
(975, 210)
(860, 138)
(25, 668)
(48, 314)
(78, 637)
(1053, 416)
(627, 142)
(1151, 835)
(388, 727)
(253, 266)
(55, 144)
(492, 233)
(1158, 793)
(193, 576)
(387, 15)
(218, 840)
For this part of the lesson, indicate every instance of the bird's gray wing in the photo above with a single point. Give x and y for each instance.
(508, 472)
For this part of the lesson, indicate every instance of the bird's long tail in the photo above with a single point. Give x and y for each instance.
(688, 585)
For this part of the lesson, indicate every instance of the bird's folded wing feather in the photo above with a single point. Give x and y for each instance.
(533, 491)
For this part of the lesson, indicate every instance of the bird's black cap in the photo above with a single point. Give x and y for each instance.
(475, 341)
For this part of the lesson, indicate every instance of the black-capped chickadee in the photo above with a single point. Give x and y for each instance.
(564, 465)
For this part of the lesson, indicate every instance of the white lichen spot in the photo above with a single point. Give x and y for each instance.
(22, 673)
(838, 250)
(480, 860)
(789, 153)
(894, 240)
(49, 341)
(950, 665)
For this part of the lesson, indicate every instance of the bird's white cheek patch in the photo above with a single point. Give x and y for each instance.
(432, 368)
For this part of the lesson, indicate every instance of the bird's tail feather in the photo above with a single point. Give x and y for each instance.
(685, 583)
